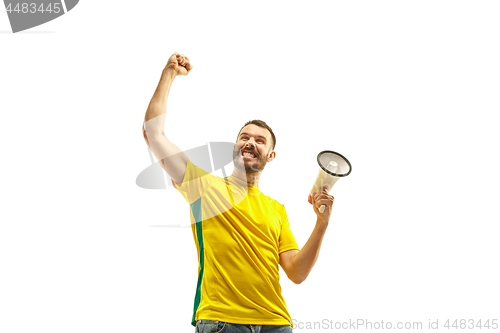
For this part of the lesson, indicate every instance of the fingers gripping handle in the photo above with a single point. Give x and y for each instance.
(325, 180)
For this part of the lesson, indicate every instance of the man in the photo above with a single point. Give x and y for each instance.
(241, 235)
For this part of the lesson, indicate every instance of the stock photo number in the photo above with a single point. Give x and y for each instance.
(34, 8)
(471, 324)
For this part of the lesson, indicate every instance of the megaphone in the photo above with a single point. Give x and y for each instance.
(332, 166)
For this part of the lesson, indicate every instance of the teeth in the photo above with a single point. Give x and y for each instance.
(248, 154)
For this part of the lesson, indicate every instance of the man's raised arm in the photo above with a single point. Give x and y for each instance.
(172, 159)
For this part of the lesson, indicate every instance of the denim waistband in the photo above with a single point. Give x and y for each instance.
(206, 321)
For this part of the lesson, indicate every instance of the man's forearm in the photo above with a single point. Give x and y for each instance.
(158, 104)
(304, 260)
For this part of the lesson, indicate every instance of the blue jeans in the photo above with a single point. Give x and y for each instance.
(217, 326)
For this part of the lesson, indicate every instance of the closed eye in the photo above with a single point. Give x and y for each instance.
(260, 140)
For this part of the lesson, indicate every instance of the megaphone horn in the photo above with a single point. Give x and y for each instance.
(332, 166)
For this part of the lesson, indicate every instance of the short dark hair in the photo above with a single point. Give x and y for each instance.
(262, 124)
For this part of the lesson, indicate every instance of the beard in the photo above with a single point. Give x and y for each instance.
(253, 165)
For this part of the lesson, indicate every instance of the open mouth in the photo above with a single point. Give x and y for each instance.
(248, 154)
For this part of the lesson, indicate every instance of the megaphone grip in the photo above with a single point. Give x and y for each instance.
(322, 209)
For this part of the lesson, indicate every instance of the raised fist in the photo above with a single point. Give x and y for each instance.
(179, 63)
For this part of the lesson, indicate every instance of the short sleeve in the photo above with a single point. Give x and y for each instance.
(195, 182)
(287, 241)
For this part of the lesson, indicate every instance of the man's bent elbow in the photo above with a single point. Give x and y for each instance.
(152, 136)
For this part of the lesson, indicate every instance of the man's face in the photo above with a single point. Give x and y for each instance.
(252, 149)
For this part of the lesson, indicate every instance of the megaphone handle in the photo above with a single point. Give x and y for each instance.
(322, 209)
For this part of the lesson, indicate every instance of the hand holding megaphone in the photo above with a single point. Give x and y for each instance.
(320, 200)
(332, 166)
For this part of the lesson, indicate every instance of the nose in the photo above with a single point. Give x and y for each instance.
(250, 143)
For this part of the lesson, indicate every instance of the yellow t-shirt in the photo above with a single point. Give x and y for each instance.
(239, 233)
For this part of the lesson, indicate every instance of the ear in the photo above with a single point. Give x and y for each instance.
(272, 156)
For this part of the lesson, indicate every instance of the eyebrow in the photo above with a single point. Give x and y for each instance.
(259, 136)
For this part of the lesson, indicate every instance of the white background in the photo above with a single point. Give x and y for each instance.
(407, 91)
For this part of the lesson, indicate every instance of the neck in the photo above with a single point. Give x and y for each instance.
(252, 178)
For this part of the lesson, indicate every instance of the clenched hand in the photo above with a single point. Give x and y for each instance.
(179, 63)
